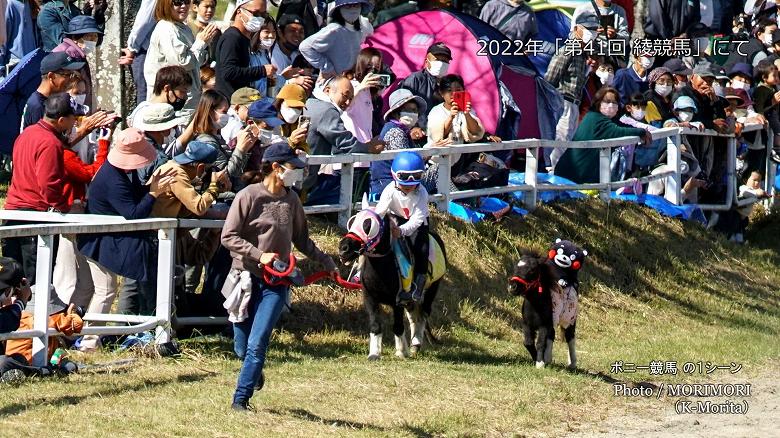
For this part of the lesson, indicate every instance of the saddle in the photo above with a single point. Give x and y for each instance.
(437, 265)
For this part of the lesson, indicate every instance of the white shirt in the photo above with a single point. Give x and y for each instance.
(412, 206)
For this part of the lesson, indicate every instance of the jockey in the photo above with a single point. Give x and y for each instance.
(407, 200)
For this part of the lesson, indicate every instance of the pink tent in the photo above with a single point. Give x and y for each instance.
(404, 43)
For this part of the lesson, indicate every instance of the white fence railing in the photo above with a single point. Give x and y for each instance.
(56, 223)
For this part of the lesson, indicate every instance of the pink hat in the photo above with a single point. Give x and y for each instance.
(131, 150)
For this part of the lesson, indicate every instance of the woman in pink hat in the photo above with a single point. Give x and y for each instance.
(116, 190)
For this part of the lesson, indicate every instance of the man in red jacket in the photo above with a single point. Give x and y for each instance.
(37, 181)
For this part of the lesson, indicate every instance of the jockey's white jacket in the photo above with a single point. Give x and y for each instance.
(412, 207)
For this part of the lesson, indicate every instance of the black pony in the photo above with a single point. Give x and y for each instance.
(369, 242)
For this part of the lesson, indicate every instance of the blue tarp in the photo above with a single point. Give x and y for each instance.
(487, 206)
(518, 178)
(666, 208)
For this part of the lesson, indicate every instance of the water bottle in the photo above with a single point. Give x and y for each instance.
(57, 357)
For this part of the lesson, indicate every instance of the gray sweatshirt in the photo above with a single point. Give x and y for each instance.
(260, 222)
(334, 49)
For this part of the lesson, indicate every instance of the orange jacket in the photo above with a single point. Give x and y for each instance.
(68, 324)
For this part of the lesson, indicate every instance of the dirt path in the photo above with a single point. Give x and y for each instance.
(644, 418)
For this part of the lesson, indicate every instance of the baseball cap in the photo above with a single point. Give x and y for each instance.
(57, 61)
(704, 70)
(281, 152)
(245, 96)
(440, 49)
(293, 95)
(677, 67)
(588, 21)
(82, 24)
(62, 105)
(685, 102)
(11, 273)
(264, 110)
(286, 19)
(197, 152)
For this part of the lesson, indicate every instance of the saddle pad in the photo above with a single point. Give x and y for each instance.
(437, 265)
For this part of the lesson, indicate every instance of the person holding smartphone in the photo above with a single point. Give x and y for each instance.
(14, 294)
(454, 118)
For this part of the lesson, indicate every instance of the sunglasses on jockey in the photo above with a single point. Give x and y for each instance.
(413, 176)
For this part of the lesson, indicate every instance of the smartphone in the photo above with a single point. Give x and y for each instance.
(609, 20)
(384, 80)
(304, 121)
(461, 98)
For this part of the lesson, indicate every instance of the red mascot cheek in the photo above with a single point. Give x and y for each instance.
(551, 254)
(576, 266)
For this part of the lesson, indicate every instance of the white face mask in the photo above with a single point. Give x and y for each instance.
(290, 115)
(408, 119)
(351, 13)
(767, 39)
(89, 47)
(638, 114)
(680, 85)
(738, 85)
(663, 90)
(267, 43)
(79, 98)
(606, 77)
(222, 121)
(587, 35)
(646, 62)
(202, 19)
(254, 24)
(290, 177)
(608, 109)
(265, 136)
(684, 116)
(438, 68)
(718, 89)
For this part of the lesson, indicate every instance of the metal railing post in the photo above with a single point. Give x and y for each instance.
(770, 169)
(345, 196)
(731, 171)
(672, 191)
(443, 182)
(166, 260)
(531, 177)
(605, 155)
(44, 257)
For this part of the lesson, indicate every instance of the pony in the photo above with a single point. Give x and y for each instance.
(369, 242)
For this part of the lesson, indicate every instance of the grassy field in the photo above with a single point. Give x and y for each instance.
(653, 289)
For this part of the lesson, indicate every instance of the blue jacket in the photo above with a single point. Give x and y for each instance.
(627, 82)
(130, 254)
(22, 34)
(53, 22)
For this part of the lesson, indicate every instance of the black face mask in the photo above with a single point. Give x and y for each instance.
(290, 46)
(178, 103)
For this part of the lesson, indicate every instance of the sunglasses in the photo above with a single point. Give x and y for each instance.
(409, 176)
(179, 3)
(256, 13)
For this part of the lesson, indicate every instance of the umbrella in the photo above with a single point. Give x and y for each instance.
(14, 92)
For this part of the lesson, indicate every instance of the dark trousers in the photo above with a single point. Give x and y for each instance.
(25, 250)
(138, 76)
(138, 297)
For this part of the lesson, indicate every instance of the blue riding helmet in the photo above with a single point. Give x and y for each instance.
(408, 168)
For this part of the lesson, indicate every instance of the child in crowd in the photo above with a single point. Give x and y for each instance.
(684, 110)
(407, 200)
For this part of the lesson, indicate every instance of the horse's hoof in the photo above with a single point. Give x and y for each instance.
(374, 357)
(415, 349)
(539, 364)
(400, 354)
(572, 366)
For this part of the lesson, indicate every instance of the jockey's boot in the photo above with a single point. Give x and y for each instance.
(418, 289)
(404, 298)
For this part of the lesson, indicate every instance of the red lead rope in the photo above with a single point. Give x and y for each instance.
(317, 276)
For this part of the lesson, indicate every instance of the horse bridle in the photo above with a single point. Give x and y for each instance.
(529, 284)
(368, 246)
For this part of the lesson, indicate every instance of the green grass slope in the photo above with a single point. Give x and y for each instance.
(653, 288)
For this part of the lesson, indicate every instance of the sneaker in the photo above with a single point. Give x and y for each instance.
(260, 382)
(775, 156)
(12, 376)
(242, 406)
(404, 298)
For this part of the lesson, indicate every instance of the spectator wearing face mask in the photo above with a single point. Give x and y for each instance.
(401, 117)
(234, 70)
(756, 48)
(633, 79)
(54, 19)
(582, 165)
(567, 73)
(202, 15)
(741, 75)
(602, 74)
(679, 71)
(290, 102)
(261, 45)
(625, 159)
(265, 125)
(611, 12)
(81, 39)
(290, 35)
(423, 83)
(157, 120)
(239, 108)
(659, 108)
(684, 112)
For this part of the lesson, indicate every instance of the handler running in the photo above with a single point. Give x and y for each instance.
(263, 219)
